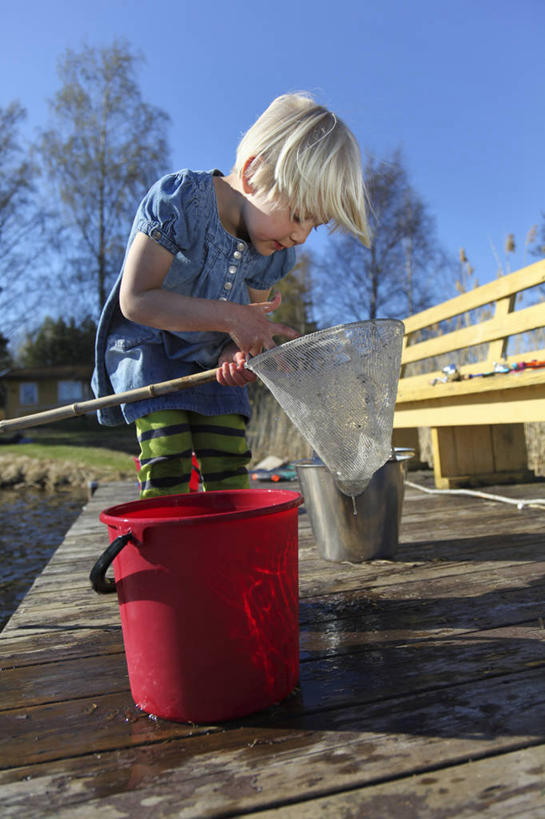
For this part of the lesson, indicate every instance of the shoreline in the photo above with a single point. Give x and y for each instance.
(18, 471)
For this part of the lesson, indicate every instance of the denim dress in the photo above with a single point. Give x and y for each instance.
(180, 213)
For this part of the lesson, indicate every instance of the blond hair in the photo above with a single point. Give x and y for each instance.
(306, 156)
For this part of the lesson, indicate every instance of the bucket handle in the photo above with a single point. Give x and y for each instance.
(100, 583)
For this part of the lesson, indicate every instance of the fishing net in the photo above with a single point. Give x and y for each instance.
(339, 388)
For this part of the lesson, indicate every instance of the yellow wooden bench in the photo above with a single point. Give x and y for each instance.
(477, 424)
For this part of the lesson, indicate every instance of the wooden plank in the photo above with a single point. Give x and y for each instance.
(416, 382)
(22, 649)
(444, 453)
(273, 760)
(478, 452)
(502, 787)
(498, 405)
(63, 616)
(509, 445)
(505, 382)
(497, 349)
(521, 321)
(432, 607)
(474, 449)
(65, 679)
(79, 726)
(501, 288)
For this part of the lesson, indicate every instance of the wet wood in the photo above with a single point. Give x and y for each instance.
(422, 686)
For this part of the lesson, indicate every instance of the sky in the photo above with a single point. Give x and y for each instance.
(456, 85)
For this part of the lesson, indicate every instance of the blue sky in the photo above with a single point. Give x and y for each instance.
(458, 85)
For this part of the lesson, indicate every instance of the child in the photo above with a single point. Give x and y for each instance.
(194, 291)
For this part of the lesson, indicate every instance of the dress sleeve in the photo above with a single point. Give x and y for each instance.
(276, 267)
(168, 212)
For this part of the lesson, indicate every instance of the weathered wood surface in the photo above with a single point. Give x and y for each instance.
(422, 686)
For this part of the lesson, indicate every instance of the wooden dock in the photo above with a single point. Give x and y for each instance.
(422, 686)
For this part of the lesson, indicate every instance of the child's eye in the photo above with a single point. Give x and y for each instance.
(296, 218)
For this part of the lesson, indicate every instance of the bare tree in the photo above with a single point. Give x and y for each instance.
(20, 222)
(103, 149)
(398, 274)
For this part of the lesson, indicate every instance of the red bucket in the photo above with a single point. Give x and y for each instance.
(207, 585)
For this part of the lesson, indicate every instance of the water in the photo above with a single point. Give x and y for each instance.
(32, 524)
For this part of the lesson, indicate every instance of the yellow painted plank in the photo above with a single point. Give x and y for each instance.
(494, 383)
(526, 405)
(501, 327)
(500, 288)
(444, 452)
(509, 444)
(474, 449)
(416, 382)
(498, 348)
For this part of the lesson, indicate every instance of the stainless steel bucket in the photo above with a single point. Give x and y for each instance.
(371, 533)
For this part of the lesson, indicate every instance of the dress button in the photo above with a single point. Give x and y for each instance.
(241, 246)
(237, 254)
(156, 234)
(232, 269)
(227, 286)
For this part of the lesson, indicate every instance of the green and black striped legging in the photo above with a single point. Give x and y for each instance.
(167, 440)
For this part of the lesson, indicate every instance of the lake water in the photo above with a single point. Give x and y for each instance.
(32, 524)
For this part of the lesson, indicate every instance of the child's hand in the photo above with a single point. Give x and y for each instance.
(255, 332)
(231, 370)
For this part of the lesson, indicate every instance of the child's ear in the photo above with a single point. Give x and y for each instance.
(247, 173)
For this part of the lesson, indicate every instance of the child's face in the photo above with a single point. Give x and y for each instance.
(271, 226)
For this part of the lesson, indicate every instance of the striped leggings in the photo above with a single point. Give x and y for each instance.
(167, 440)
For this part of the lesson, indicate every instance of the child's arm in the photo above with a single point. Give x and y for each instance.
(143, 300)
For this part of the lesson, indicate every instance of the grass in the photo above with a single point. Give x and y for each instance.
(101, 451)
(81, 433)
(96, 458)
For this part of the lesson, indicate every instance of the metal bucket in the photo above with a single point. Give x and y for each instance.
(364, 528)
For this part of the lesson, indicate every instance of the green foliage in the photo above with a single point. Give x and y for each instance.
(57, 342)
(103, 150)
(5, 363)
(295, 288)
(5, 355)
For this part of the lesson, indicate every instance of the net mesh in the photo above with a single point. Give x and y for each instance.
(339, 387)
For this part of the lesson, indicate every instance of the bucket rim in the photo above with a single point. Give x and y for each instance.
(399, 454)
(121, 513)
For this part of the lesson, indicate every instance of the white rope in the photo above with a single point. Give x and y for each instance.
(520, 504)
